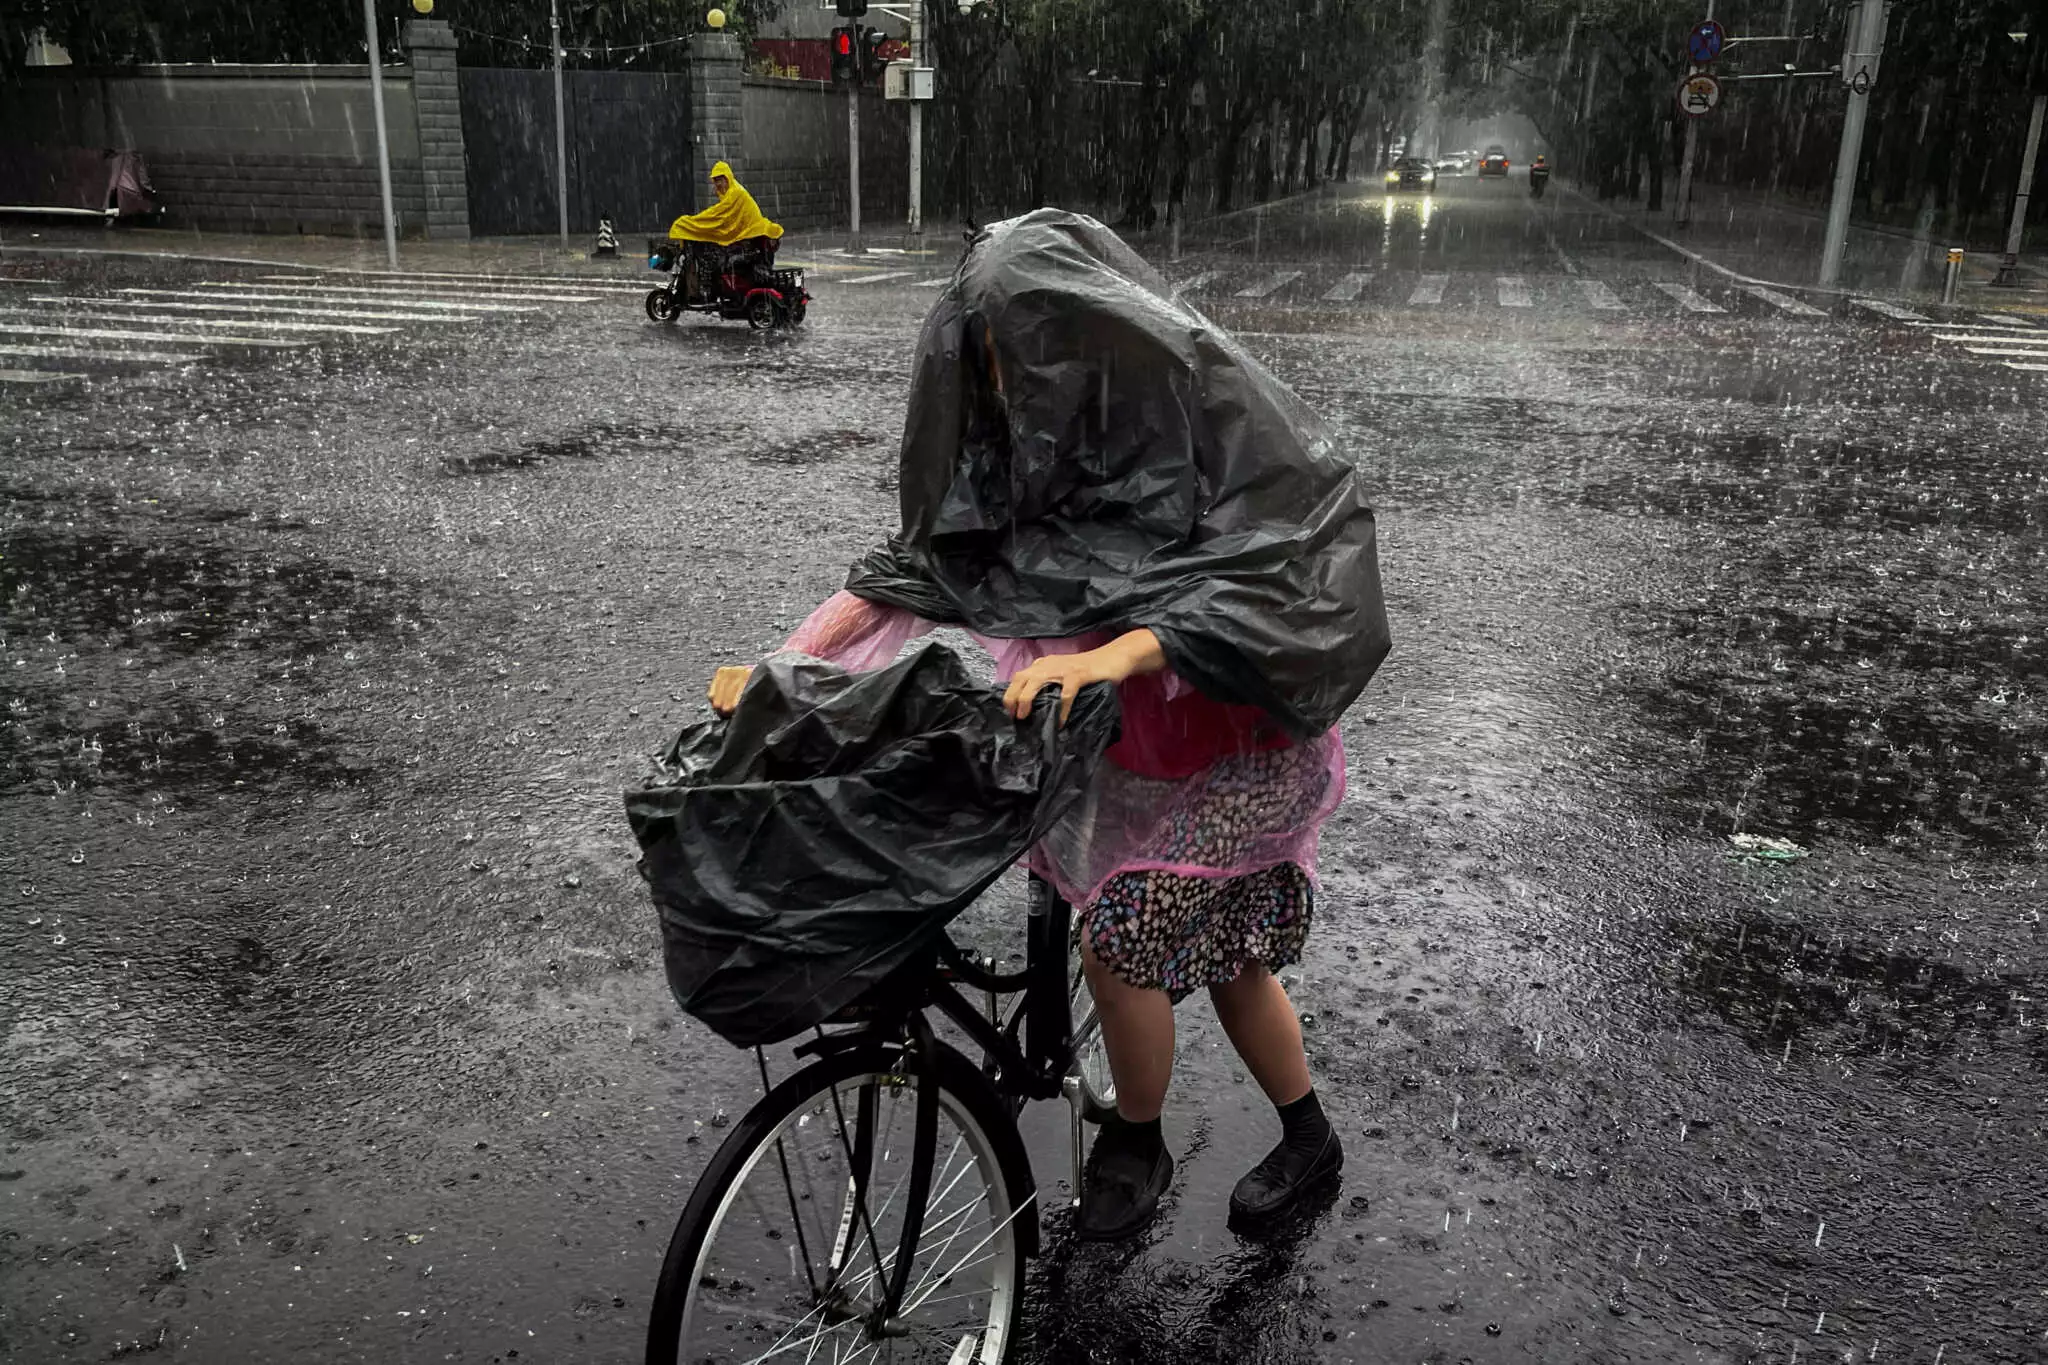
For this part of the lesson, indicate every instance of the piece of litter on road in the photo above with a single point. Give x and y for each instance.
(413, 1237)
(1763, 848)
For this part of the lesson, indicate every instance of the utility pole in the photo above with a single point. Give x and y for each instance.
(1859, 70)
(2008, 276)
(853, 161)
(383, 137)
(561, 133)
(916, 121)
(1692, 142)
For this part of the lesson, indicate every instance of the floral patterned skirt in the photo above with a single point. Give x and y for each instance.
(1165, 931)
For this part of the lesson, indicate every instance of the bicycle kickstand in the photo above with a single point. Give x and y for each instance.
(1070, 1086)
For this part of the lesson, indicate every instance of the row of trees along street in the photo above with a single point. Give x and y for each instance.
(1134, 107)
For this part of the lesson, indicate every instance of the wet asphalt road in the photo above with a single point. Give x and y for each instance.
(335, 1027)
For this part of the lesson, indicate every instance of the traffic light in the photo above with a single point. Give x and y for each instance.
(871, 62)
(852, 9)
(845, 54)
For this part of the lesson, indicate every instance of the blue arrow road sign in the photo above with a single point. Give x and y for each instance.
(1705, 42)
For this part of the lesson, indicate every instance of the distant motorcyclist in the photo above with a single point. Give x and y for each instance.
(733, 220)
(1539, 176)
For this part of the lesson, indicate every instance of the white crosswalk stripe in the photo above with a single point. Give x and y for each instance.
(36, 376)
(2021, 365)
(1889, 310)
(452, 297)
(1269, 286)
(1784, 303)
(878, 277)
(2008, 320)
(127, 334)
(1690, 299)
(273, 296)
(1348, 288)
(92, 311)
(182, 306)
(1429, 291)
(937, 282)
(1601, 297)
(1513, 292)
(1194, 282)
(111, 356)
(2002, 338)
(444, 278)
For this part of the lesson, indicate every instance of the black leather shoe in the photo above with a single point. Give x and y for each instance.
(1120, 1192)
(1283, 1179)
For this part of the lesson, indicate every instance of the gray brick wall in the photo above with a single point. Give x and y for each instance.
(248, 148)
(796, 155)
(437, 102)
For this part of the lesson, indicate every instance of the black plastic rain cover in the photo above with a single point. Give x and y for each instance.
(802, 851)
(1138, 468)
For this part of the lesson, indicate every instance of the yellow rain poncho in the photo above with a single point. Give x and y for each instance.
(734, 218)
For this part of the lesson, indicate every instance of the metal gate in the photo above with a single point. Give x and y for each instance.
(628, 135)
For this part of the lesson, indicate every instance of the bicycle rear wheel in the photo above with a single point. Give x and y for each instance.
(796, 1227)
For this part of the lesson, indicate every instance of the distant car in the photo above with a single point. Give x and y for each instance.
(1457, 163)
(1410, 173)
(1495, 162)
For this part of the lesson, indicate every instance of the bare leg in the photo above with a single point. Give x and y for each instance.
(1264, 1029)
(1137, 1030)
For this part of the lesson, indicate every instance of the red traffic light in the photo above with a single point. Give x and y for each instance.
(843, 40)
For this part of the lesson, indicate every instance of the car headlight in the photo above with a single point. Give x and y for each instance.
(1393, 177)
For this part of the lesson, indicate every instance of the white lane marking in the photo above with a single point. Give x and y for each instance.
(1269, 286)
(932, 284)
(1889, 310)
(877, 278)
(177, 306)
(25, 279)
(561, 293)
(1798, 308)
(90, 313)
(274, 297)
(1979, 326)
(2001, 338)
(1194, 282)
(1429, 291)
(379, 294)
(36, 376)
(87, 353)
(122, 334)
(1347, 289)
(2007, 320)
(2021, 365)
(1513, 291)
(1689, 299)
(2031, 352)
(1600, 296)
(442, 277)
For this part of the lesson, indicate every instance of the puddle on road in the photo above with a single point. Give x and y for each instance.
(592, 441)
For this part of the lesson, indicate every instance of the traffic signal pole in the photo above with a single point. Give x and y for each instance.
(916, 123)
(1692, 142)
(853, 163)
(1866, 43)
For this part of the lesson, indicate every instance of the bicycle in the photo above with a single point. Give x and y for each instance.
(944, 1280)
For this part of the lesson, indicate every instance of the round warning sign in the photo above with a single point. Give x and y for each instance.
(1699, 95)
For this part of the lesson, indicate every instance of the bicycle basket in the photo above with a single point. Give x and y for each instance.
(801, 852)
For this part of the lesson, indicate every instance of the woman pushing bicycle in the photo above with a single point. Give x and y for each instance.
(1103, 487)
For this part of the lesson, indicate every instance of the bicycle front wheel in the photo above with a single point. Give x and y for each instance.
(790, 1242)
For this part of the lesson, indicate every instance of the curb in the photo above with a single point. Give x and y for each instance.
(1715, 266)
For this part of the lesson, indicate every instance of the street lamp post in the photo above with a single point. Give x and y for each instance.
(1866, 44)
(561, 133)
(383, 137)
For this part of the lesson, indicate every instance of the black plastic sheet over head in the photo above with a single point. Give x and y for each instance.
(1085, 451)
(804, 850)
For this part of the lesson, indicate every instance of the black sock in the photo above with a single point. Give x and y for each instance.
(1303, 1126)
(1127, 1135)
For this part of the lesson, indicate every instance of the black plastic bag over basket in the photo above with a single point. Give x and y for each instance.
(824, 836)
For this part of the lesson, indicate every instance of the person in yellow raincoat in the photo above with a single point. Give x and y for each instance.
(733, 219)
